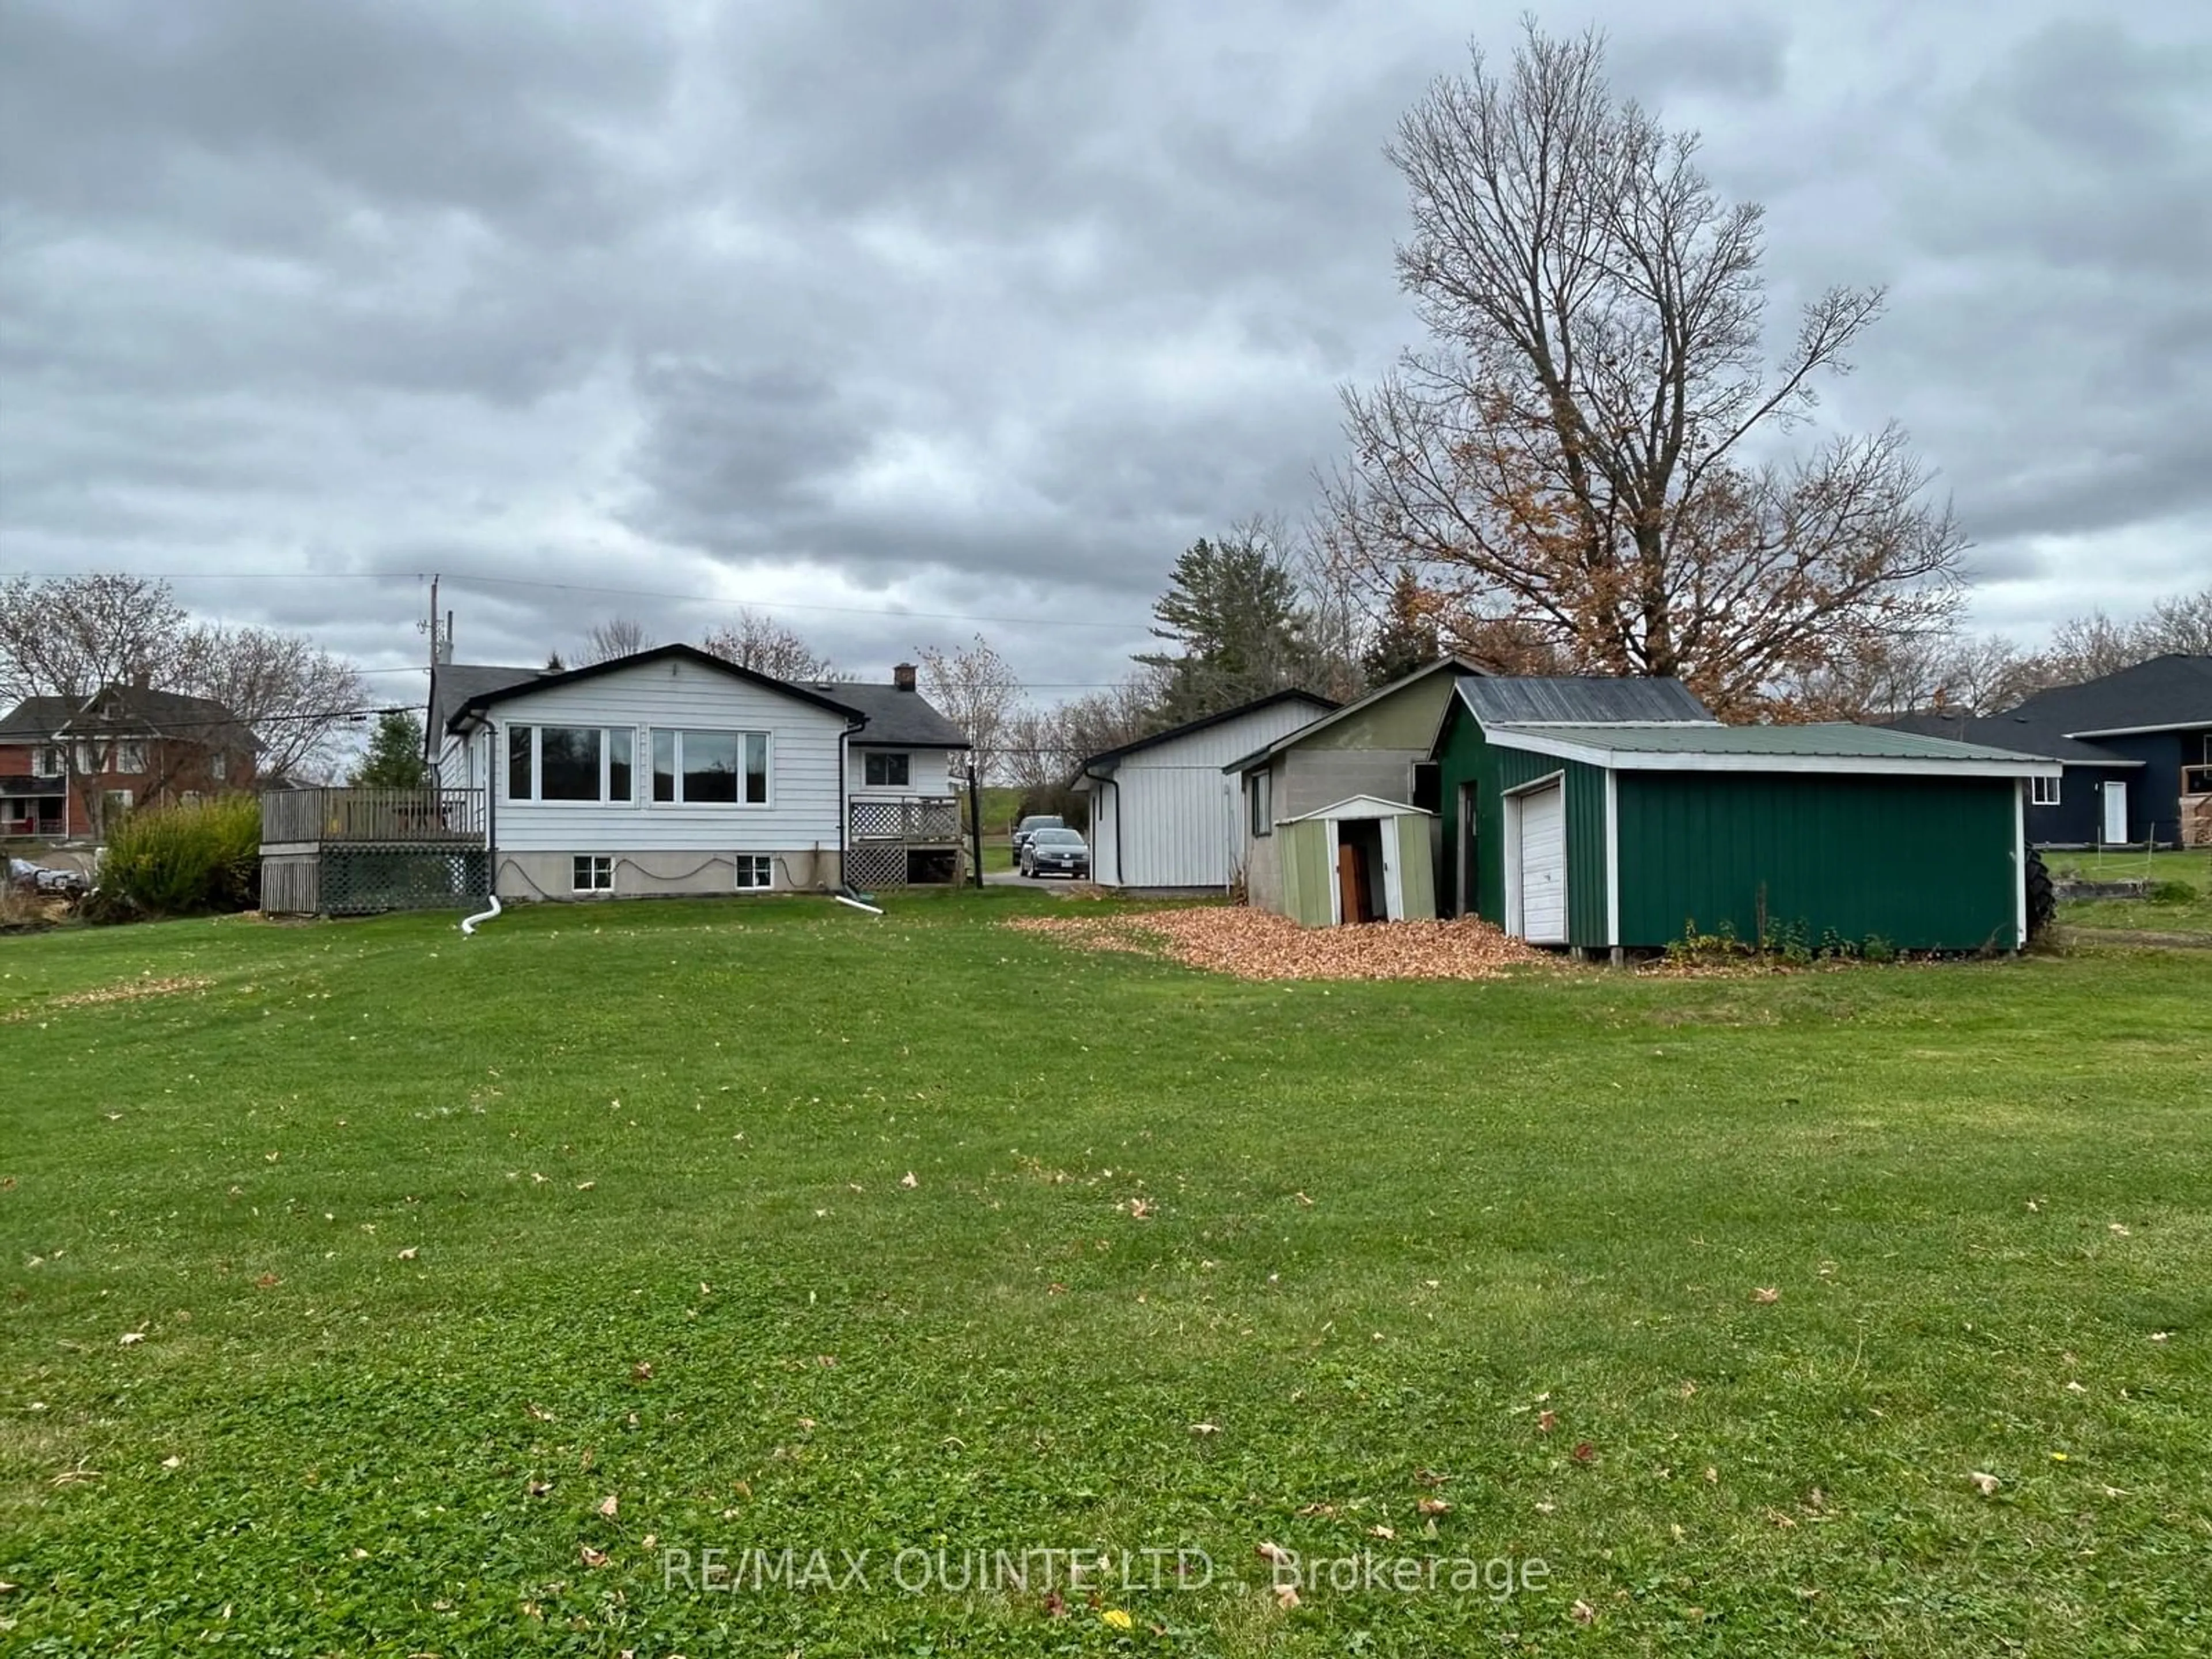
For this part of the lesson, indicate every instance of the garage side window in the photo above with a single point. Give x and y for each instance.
(2042, 792)
(1261, 789)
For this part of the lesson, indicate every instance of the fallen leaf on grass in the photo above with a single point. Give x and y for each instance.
(1276, 1555)
(1987, 1485)
(1205, 1430)
(1380, 1531)
(594, 1557)
(1432, 1506)
(586, 1185)
(130, 1337)
(1766, 1293)
(609, 1504)
(409, 1253)
(267, 1282)
(1547, 1421)
(909, 1182)
(641, 1372)
(1583, 1612)
(539, 1412)
(172, 1463)
(1286, 1596)
(1117, 1618)
(540, 1488)
(1584, 1452)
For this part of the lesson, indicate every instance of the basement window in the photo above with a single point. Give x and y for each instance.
(593, 873)
(756, 872)
(2042, 792)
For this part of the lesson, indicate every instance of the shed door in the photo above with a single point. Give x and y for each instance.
(1544, 865)
(2116, 810)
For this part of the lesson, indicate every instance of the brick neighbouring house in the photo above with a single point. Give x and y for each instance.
(65, 761)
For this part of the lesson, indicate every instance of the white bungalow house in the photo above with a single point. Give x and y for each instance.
(675, 771)
(1162, 816)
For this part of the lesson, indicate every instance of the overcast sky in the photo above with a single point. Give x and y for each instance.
(981, 309)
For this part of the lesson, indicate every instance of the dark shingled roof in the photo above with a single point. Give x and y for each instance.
(2166, 691)
(1579, 699)
(452, 683)
(128, 708)
(896, 718)
(2016, 731)
(35, 719)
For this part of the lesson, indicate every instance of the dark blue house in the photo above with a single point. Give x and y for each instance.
(2136, 747)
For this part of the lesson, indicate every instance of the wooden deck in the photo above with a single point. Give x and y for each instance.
(297, 819)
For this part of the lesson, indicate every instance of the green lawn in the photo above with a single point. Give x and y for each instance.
(435, 1245)
(2170, 912)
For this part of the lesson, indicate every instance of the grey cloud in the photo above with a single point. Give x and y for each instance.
(984, 309)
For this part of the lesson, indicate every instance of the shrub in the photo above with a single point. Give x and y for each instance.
(182, 861)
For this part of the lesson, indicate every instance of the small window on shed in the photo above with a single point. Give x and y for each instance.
(1260, 787)
(2042, 792)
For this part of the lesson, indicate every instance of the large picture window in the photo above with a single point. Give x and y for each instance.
(570, 763)
(884, 770)
(725, 769)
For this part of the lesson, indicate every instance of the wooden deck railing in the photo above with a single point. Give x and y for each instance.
(933, 819)
(293, 816)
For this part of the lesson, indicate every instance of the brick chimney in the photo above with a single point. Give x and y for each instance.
(141, 678)
(902, 677)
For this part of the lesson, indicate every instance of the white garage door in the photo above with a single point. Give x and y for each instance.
(1544, 865)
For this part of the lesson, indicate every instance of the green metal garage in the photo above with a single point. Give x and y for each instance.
(1634, 832)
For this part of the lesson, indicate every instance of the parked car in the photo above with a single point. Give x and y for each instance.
(47, 881)
(1055, 852)
(1028, 827)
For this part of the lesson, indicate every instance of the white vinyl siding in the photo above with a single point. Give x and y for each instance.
(1170, 817)
(803, 809)
(928, 771)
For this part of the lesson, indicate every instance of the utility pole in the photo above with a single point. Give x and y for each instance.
(975, 823)
(434, 620)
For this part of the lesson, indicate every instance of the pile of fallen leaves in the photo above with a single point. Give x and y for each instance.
(130, 990)
(1254, 944)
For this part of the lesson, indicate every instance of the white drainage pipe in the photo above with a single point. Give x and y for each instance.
(468, 923)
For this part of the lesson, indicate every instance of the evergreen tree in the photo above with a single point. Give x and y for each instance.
(394, 759)
(1407, 638)
(1232, 609)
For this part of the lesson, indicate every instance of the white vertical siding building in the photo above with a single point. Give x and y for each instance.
(1163, 813)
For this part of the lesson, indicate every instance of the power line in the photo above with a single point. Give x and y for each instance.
(719, 600)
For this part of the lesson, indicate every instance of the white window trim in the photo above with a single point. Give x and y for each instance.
(50, 760)
(537, 796)
(2036, 787)
(744, 863)
(740, 804)
(589, 864)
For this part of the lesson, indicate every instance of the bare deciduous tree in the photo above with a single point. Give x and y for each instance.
(297, 698)
(1573, 451)
(978, 692)
(767, 647)
(71, 635)
(66, 636)
(618, 637)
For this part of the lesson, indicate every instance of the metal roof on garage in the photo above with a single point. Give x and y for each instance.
(1833, 747)
(1581, 699)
